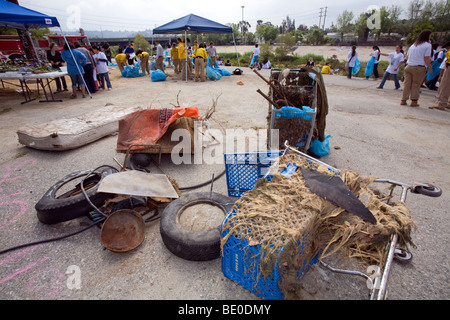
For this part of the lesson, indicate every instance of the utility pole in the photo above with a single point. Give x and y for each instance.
(325, 16)
(320, 17)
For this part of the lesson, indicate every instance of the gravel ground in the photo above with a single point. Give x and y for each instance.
(370, 133)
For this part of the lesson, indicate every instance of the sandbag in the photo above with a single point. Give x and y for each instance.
(212, 73)
(158, 75)
(132, 71)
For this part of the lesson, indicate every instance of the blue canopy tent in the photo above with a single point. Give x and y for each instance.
(194, 24)
(15, 16)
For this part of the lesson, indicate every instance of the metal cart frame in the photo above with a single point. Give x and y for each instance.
(377, 282)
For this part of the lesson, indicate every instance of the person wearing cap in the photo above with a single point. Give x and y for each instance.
(444, 82)
(200, 56)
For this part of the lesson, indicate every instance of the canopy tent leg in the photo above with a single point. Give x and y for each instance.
(235, 47)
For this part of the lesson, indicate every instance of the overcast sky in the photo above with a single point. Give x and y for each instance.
(135, 15)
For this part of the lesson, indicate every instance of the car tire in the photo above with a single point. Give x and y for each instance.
(72, 204)
(187, 244)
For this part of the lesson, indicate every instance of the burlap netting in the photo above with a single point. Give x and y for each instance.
(284, 217)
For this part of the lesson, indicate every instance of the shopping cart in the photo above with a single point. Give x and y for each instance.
(267, 287)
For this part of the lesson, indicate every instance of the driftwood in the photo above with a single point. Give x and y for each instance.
(276, 90)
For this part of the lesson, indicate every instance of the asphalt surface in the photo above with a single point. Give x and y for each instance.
(370, 133)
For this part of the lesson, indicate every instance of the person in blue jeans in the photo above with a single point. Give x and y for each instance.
(396, 60)
(102, 68)
(75, 61)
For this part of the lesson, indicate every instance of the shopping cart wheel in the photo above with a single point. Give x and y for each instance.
(428, 190)
(402, 256)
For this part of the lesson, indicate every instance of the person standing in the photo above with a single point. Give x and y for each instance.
(211, 54)
(75, 61)
(255, 56)
(107, 51)
(175, 60)
(439, 57)
(396, 60)
(186, 69)
(159, 63)
(54, 57)
(102, 68)
(376, 56)
(418, 57)
(129, 51)
(352, 56)
(88, 67)
(444, 83)
(200, 57)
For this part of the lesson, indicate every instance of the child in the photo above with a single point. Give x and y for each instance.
(326, 69)
(396, 59)
(102, 68)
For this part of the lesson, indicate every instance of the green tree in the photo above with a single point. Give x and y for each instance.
(267, 32)
(140, 43)
(344, 23)
(317, 37)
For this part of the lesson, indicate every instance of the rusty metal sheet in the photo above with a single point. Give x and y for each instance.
(138, 183)
(123, 231)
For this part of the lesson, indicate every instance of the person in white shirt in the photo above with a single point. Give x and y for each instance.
(418, 57)
(376, 55)
(351, 60)
(102, 68)
(396, 60)
(159, 63)
(255, 56)
(211, 50)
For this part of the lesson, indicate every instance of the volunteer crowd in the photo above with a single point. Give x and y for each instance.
(426, 66)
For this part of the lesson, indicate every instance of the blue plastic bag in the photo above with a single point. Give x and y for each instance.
(369, 67)
(357, 66)
(158, 75)
(222, 71)
(319, 148)
(212, 73)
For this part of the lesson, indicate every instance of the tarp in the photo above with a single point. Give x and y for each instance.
(148, 126)
(192, 23)
(15, 16)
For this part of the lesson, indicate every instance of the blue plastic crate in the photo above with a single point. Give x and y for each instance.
(241, 263)
(244, 169)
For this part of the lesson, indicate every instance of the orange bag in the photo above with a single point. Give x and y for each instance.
(148, 126)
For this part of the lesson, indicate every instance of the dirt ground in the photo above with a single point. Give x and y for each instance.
(370, 133)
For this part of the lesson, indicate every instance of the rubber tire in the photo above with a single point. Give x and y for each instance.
(51, 209)
(431, 191)
(194, 246)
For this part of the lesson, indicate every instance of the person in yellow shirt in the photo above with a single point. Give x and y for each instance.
(326, 69)
(186, 65)
(121, 60)
(143, 58)
(200, 56)
(175, 60)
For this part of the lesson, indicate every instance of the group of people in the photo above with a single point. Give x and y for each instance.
(181, 54)
(87, 68)
(425, 67)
